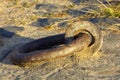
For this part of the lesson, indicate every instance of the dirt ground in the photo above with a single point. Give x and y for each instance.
(26, 20)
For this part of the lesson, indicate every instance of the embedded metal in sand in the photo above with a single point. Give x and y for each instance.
(80, 35)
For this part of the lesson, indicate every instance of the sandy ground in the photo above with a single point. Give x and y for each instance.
(26, 20)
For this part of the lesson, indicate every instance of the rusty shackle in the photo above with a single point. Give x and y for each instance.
(80, 35)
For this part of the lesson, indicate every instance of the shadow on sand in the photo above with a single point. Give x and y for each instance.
(7, 33)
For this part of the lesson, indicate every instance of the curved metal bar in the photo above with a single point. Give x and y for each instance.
(35, 51)
(87, 27)
(43, 43)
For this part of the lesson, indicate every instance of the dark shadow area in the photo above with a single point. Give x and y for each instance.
(77, 2)
(91, 7)
(79, 12)
(28, 43)
(49, 7)
(74, 13)
(42, 22)
(12, 29)
(112, 2)
(63, 24)
(6, 34)
(40, 44)
(43, 43)
(109, 21)
(46, 9)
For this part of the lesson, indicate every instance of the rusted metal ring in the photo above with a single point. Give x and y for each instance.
(88, 28)
(43, 49)
(22, 55)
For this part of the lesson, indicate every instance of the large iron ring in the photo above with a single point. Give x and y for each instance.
(78, 36)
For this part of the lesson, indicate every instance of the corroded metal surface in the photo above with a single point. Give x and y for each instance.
(85, 26)
(21, 56)
(79, 35)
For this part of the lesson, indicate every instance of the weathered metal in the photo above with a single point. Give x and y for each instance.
(78, 36)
